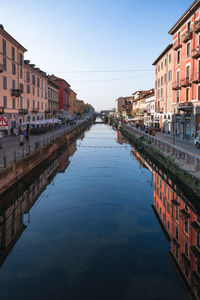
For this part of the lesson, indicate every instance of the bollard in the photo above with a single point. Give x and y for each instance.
(15, 156)
(4, 160)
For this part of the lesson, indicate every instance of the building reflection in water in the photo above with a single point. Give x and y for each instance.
(12, 213)
(119, 138)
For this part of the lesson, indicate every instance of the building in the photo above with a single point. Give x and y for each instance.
(118, 104)
(35, 93)
(64, 95)
(139, 105)
(12, 79)
(163, 88)
(52, 110)
(72, 102)
(186, 84)
(149, 114)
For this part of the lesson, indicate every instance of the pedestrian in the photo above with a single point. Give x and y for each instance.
(21, 139)
(15, 131)
(11, 131)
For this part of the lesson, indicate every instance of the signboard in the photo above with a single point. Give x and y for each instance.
(3, 124)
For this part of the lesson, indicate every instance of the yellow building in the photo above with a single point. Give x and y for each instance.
(72, 102)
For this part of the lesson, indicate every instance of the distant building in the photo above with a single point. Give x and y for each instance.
(72, 102)
(163, 88)
(53, 100)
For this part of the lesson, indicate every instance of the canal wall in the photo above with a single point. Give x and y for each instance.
(180, 172)
(10, 176)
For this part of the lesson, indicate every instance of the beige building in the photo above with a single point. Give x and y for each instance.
(163, 88)
(52, 110)
(35, 92)
(11, 79)
(72, 102)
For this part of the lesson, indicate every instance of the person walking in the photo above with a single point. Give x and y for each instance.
(21, 139)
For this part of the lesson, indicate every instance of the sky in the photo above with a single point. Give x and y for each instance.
(103, 48)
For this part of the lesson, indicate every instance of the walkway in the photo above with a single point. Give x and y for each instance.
(13, 151)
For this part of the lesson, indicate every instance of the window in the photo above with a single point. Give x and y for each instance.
(161, 66)
(21, 87)
(21, 72)
(33, 104)
(13, 69)
(28, 76)
(21, 102)
(189, 26)
(13, 103)
(198, 92)
(5, 101)
(162, 80)
(38, 105)
(186, 225)
(187, 94)
(4, 83)
(177, 233)
(21, 59)
(170, 59)
(161, 93)
(28, 89)
(188, 49)
(33, 90)
(178, 57)
(13, 53)
(38, 92)
(38, 82)
(28, 103)
(179, 37)
(187, 72)
(42, 106)
(178, 77)
(13, 84)
(4, 63)
(4, 47)
(33, 79)
(177, 214)
(165, 78)
(165, 62)
(186, 248)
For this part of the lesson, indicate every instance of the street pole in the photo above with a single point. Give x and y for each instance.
(173, 128)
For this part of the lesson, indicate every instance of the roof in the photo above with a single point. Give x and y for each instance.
(12, 40)
(53, 77)
(27, 63)
(185, 16)
(162, 54)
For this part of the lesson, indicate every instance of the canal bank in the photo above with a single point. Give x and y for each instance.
(175, 162)
(26, 166)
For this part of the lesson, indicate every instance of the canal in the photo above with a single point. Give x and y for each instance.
(99, 223)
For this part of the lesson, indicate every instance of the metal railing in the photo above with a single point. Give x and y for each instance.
(164, 146)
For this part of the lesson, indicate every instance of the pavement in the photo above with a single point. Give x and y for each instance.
(11, 143)
(184, 144)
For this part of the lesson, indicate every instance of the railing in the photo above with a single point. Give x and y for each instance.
(196, 52)
(196, 78)
(187, 36)
(177, 44)
(16, 92)
(23, 111)
(1, 68)
(163, 146)
(176, 85)
(186, 82)
(16, 155)
(197, 26)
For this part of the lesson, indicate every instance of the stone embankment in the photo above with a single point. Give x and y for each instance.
(14, 172)
(181, 165)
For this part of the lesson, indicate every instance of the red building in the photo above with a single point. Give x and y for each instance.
(64, 94)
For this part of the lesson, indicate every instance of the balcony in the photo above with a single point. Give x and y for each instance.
(196, 52)
(187, 36)
(16, 92)
(1, 68)
(160, 110)
(47, 111)
(22, 111)
(185, 106)
(197, 26)
(1, 110)
(35, 110)
(177, 45)
(176, 86)
(196, 78)
(186, 82)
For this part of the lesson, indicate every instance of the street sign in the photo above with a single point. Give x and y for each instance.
(3, 124)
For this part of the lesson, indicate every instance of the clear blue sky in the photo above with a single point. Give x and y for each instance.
(94, 35)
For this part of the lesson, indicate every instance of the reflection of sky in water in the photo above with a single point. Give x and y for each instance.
(93, 234)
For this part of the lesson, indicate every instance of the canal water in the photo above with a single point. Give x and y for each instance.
(98, 223)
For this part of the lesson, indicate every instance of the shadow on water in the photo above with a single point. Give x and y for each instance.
(99, 223)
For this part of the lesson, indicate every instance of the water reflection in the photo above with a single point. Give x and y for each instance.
(15, 215)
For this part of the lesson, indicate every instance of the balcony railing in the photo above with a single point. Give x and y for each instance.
(186, 82)
(177, 45)
(23, 111)
(1, 68)
(196, 52)
(185, 106)
(35, 110)
(196, 78)
(1, 110)
(16, 92)
(176, 86)
(187, 36)
(197, 26)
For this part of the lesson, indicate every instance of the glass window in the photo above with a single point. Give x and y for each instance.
(4, 63)
(4, 47)
(5, 101)
(21, 59)
(188, 49)
(13, 84)
(4, 82)
(13, 69)
(177, 213)
(178, 57)
(13, 103)
(13, 53)
(21, 72)
(177, 234)
(187, 95)
(28, 103)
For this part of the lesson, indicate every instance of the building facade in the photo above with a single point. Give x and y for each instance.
(186, 84)
(72, 102)
(163, 89)
(11, 79)
(52, 110)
